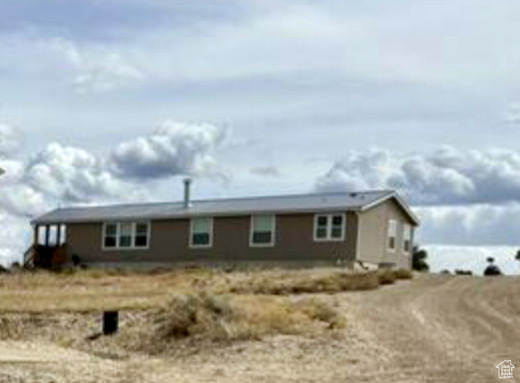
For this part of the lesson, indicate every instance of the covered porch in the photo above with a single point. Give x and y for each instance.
(48, 250)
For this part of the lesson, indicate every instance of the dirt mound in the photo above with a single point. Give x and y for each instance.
(187, 320)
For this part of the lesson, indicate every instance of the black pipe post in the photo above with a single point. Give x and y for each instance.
(110, 322)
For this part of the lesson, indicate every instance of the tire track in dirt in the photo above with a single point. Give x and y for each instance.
(444, 328)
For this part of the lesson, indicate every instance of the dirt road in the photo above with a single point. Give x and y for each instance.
(433, 329)
(444, 329)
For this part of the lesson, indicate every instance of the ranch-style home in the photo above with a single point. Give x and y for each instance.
(370, 229)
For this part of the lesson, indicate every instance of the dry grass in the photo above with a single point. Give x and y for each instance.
(246, 317)
(403, 274)
(386, 277)
(91, 290)
(316, 281)
(189, 322)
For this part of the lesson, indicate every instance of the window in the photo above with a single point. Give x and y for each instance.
(262, 230)
(201, 232)
(322, 227)
(407, 238)
(336, 231)
(392, 234)
(126, 235)
(329, 227)
(141, 234)
(110, 235)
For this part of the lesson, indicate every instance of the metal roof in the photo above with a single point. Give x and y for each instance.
(222, 207)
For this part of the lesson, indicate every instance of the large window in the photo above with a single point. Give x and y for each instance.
(262, 230)
(126, 235)
(392, 234)
(329, 227)
(407, 238)
(201, 232)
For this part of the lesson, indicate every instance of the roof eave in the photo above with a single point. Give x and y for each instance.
(187, 215)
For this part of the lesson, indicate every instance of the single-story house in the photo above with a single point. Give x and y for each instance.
(372, 228)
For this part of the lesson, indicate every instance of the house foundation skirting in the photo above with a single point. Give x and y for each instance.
(224, 265)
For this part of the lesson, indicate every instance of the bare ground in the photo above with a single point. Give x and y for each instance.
(432, 329)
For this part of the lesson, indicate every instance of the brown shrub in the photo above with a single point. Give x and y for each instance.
(321, 311)
(229, 318)
(403, 274)
(306, 283)
(386, 277)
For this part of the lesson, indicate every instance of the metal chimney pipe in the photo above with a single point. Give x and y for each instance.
(187, 192)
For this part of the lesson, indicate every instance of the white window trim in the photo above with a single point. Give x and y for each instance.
(388, 236)
(329, 238)
(117, 247)
(251, 231)
(409, 238)
(194, 246)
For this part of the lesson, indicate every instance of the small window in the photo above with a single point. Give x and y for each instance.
(337, 227)
(392, 234)
(329, 227)
(141, 234)
(201, 232)
(262, 230)
(407, 238)
(322, 224)
(110, 240)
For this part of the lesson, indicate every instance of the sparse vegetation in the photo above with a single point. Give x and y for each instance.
(403, 274)
(419, 259)
(386, 277)
(492, 269)
(229, 318)
(306, 282)
(186, 322)
(96, 289)
(238, 338)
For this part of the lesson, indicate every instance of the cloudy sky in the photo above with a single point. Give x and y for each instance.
(114, 100)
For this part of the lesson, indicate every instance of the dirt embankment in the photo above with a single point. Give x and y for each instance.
(432, 329)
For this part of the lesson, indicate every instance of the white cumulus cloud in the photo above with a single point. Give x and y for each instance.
(444, 176)
(174, 148)
(14, 238)
(71, 174)
(478, 224)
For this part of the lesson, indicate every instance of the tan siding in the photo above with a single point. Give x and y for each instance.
(170, 243)
(373, 235)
